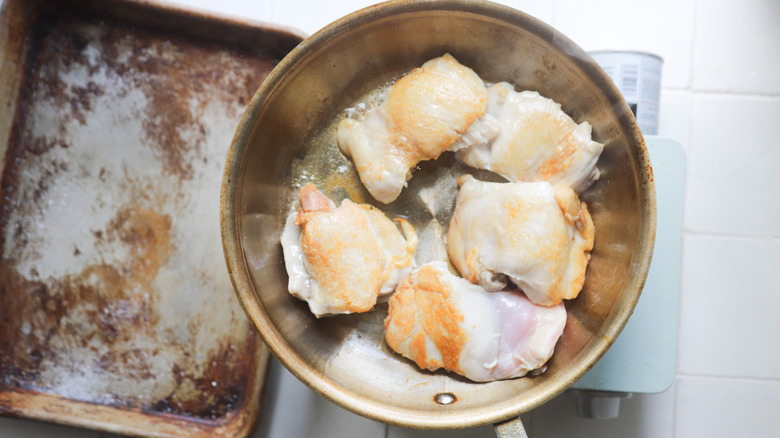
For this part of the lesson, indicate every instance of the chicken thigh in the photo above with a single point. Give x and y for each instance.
(535, 236)
(526, 137)
(424, 113)
(440, 320)
(341, 260)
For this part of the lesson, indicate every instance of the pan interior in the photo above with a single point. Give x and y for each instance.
(287, 139)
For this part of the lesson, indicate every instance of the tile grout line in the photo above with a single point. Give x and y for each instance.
(722, 377)
(693, 233)
(694, 45)
(688, 153)
(675, 400)
(765, 95)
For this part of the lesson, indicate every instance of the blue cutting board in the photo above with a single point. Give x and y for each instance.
(643, 359)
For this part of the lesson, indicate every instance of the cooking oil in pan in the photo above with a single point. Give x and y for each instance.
(427, 201)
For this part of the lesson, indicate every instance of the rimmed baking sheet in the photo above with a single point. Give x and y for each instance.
(116, 309)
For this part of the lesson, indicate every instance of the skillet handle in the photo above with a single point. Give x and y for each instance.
(512, 428)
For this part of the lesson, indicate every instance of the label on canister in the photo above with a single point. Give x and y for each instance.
(638, 77)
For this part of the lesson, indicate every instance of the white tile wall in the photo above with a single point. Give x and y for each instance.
(728, 321)
(663, 27)
(717, 407)
(538, 9)
(736, 46)
(674, 118)
(732, 179)
(721, 100)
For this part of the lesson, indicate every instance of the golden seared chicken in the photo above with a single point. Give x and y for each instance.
(440, 320)
(535, 236)
(526, 137)
(424, 113)
(341, 260)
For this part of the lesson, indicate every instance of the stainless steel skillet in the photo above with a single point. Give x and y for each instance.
(286, 138)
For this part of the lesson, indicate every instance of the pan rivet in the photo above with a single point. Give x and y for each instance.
(445, 398)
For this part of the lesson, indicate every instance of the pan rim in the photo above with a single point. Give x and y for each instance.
(234, 253)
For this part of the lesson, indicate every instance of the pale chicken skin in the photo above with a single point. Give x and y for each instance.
(527, 137)
(342, 260)
(439, 320)
(536, 236)
(424, 113)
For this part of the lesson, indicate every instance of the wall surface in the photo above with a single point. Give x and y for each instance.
(721, 100)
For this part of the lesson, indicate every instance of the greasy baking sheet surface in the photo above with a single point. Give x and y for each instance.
(113, 286)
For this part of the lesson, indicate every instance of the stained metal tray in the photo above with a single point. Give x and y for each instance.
(116, 309)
